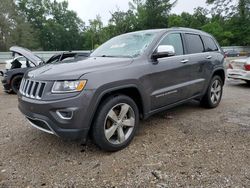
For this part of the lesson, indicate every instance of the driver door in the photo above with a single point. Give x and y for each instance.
(170, 75)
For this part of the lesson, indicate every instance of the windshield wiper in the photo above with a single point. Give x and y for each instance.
(127, 56)
(107, 56)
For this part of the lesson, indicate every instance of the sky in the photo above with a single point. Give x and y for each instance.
(88, 9)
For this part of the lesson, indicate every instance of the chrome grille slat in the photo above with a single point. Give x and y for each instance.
(38, 89)
(21, 86)
(25, 85)
(27, 90)
(32, 89)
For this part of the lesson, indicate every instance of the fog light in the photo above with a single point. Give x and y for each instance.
(65, 114)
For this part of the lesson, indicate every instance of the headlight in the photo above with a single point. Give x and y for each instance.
(68, 86)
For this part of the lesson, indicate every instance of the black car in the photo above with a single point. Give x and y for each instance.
(128, 78)
(232, 53)
(26, 60)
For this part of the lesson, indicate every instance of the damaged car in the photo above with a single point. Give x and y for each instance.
(25, 60)
(239, 69)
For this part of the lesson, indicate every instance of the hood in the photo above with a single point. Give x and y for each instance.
(74, 70)
(27, 54)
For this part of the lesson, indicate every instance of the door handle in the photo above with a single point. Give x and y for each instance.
(185, 61)
(209, 57)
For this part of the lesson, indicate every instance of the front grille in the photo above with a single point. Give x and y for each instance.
(32, 89)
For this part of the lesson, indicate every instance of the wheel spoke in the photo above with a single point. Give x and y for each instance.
(218, 89)
(110, 132)
(129, 122)
(112, 115)
(121, 135)
(213, 98)
(216, 83)
(124, 111)
(217, 96)
(212, 90)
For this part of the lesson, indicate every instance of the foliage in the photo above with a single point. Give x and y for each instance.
(14, 29)
(50, 25)
(57, 27)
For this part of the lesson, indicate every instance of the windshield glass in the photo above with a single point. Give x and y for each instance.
(128, 45)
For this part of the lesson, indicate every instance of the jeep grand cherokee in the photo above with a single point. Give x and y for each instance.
(128, 78)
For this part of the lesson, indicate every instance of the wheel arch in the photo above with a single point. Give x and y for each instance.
(131, 91)
(221, 73)
(14, 75)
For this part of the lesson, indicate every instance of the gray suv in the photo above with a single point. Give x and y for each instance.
(128, 78)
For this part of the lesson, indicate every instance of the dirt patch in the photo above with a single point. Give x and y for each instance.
(187, 146)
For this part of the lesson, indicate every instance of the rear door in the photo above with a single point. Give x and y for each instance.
(197, 63)
(213, 56)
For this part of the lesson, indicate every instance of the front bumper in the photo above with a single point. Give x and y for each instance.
(44, 115)
(238, 74)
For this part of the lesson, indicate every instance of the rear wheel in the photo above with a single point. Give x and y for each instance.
(116, 123)
(15, 83)
(248, 82)
(214, 93)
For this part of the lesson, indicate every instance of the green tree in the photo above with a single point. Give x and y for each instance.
(230, 8)
(157, 12)
(14, 30)
(58, 28)
(93, 34)
(236, 19)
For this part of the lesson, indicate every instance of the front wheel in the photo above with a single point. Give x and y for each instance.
(248, 82)
(116, 122)
(213, 94)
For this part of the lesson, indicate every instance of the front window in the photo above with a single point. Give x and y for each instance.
(128, 45)
(175, 40)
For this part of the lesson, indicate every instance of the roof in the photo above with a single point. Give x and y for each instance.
(183, 29)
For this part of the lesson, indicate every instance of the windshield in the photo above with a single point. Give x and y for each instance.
(128, 45)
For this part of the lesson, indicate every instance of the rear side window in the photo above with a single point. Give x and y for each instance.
(209, 44)
(194, 43)
(175, 40)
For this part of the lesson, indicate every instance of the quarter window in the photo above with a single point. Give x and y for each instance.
(209, 44)
(194, 44)
(175, 40)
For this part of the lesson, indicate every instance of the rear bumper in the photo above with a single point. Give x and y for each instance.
(44, 116)
(238, 74)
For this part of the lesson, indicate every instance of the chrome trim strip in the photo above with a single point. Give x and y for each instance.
(62, 117)
(39, 128)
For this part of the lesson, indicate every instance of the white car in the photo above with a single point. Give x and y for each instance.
(239, 69)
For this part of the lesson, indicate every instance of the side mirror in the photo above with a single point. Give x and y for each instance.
(163, 51)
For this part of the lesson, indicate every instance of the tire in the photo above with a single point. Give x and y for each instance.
(213, 94)
(113, 130)
(248, 82)
(15, 83)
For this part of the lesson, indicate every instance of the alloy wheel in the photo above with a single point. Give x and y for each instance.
(216, 91)
(119, 123)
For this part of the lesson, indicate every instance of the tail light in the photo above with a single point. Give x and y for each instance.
(247, 67)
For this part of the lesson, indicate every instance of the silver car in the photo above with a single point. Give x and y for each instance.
(240, 69)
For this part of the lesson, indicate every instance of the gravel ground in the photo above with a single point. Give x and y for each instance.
(187, 146)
